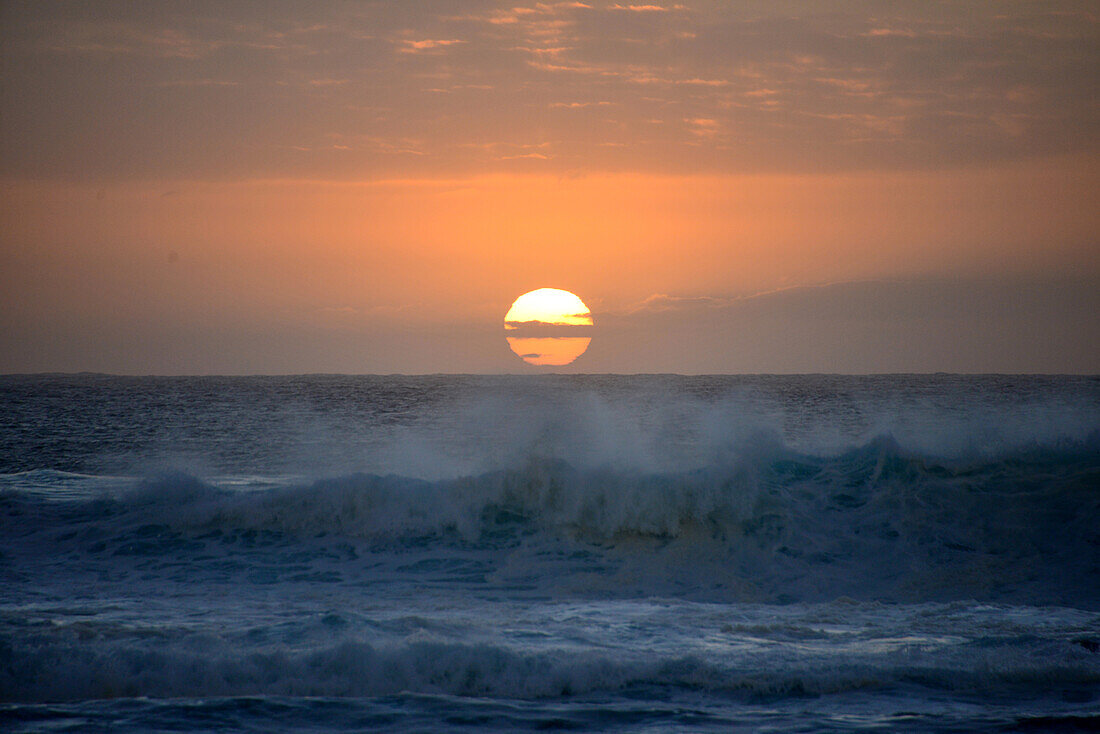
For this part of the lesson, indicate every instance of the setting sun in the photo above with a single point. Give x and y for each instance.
(549, 320)
(548, 306)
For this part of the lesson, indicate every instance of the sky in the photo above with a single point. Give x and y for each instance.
(278, 187)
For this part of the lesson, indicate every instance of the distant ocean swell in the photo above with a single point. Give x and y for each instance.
(764, 524)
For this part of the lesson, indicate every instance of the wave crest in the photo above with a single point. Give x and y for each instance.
(767, 523)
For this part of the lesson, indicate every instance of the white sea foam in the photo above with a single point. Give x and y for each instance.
(58, 664)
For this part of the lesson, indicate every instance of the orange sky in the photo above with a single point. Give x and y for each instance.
(367, 187)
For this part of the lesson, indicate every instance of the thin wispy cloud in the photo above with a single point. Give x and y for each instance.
(664, 302)
(428, 44)
(648, 8)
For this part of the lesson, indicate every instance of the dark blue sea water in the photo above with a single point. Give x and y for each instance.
(623, 553)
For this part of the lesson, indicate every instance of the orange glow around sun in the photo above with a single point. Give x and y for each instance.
(544, 311)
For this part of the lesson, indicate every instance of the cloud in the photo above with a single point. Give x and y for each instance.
(1025, 325)
(523, 14)
(428, 45)
(578, 105)
(703, 126)
(647, 8)
(880, 32)
(907, 88)
(663, 302)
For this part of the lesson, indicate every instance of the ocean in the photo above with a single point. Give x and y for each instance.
(580, 553)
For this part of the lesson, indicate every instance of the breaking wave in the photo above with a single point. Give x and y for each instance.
(765, 523)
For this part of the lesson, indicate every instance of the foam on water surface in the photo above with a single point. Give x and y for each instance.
(594, 553)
